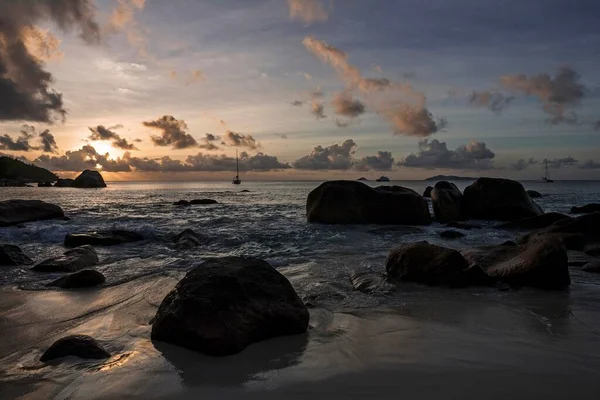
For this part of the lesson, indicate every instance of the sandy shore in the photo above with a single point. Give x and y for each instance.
(518, 345)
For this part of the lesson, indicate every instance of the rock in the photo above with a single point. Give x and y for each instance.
(103, 238)
(434, 265)
(451, 234)
(244, 191)
(223, 305)
(183, 203)
(593, 266)
(44, 184)
(534, 195)
(587, 209)
(574, 233)
(14, 212)
(203, 201)
(592, 249)
(447, 202)
(542, 265)
(65, 183)
(81, 346)
(578, 259)
(498, 199)
(367, 281)
(537, 222)
(90, 179)
(188, 239)
(72, 260)
(509, 243)
(12, 255)
(427, 192)
(80, 279)
(351, 202)
(462, 225)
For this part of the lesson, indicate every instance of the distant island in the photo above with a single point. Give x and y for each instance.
(450, 178)
(16, 171)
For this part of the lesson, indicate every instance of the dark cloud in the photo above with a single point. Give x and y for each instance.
(412, 120)
(241, 140)
(344, 104)
(101, 133)
(523, 164)
(597, 125)
(334, 157)
(25, 92)
(561, 162)
(207, 142)
(435, 154)
(490, 99)
(589, 164)
(341, 123)
(22, 143)
(48, 144)
(317, 109)
(76, 160)
(383, 161)
(173, 133)
(558, 95)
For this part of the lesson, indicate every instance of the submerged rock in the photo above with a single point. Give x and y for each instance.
(462, 225)
(537, 222)
(11, 255)
(447, 202)
(14, 212)
(587, 209)
(104, 238)
(534, 195)
(188, 239)
(65, 183)
(81, 346)
(90, 179)
(203, 201)
(574, 233)
(427, 192)
(434, 265)
(183, 203)
(351, 202)
(541, 265)
(451, 234)
(80, 279)
(499, 199)
(367, 281)
(223, 305)
(72, 260)
(593, 266)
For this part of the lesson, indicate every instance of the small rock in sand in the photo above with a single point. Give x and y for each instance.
(81, 346)
(72, 260)
(80, 279)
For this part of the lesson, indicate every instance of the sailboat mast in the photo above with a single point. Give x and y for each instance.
(546, 162)
(237, 164)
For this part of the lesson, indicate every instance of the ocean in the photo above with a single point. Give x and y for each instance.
(531, 333)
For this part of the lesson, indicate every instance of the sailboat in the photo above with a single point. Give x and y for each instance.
(236, 180)
(547, 177)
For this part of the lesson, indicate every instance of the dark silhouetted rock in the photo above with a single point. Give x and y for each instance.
(534, 195)
(462, 225)
(537, 222)
(183, 203)
(587, 209)
(499, 199)
(351, 202)
(447, 202)
(90, 179)
(574, 233)
(367, 281)
(509, 243)
(188, 239)
(81, 346)
(104, 238)
(203, 201)
(13, 212)
(434, 265)
(223, 305)
(427, 192)
(593, 266)
(451, 234)
(244, 191)
(13, 255)
(65, 183)
(44, 184)
(80, 279)
(72, 260)
(542, 265)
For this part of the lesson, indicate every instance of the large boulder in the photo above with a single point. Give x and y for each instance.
(90, 179)
(499, 199)
(587, 209)
(11, 255)
(13, 212)
(350, 202)
(79, 279)
(592, 266)
(427, 192)
(102, 238)
(81, 346)
(223, 305)
(65, 183)
(542, 265)
(72, 260)
(534, 195)
(434, 265)
(447, 202)
(573, 233)
(537, 222)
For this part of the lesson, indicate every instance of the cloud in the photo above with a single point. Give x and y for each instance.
(25, 92)
(173, 133)
(20, 144)
(308, 11)
(317, 109)
(344, 104)
(597, 125)
(281, 135)
(589, 164)
(123, 19)
(305, 75)
(47, 142)
(435, 154)
(523, 164)
(561, 162)
(398, 102)
(41, 43)
(490, 99)
(101, 133)
(240, 140)
(193, 76)
(297, 103)
(76, 160)
(558, 95)
(383, 161)
(207, 142)
(334, 157)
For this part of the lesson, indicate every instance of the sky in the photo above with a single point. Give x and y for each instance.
(302, 89)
